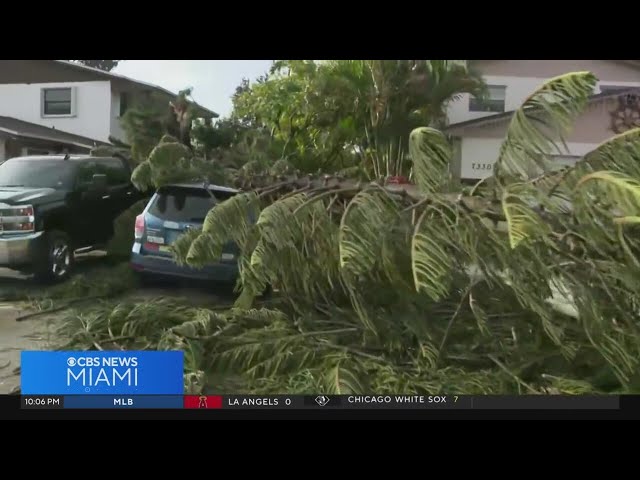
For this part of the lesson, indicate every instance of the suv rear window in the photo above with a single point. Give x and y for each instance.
(183, 204)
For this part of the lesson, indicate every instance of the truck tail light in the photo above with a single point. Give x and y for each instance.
(139, 228)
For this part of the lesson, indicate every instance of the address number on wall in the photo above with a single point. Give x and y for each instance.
(481, 166)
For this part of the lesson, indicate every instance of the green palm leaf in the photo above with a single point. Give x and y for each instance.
(623, 192)
(522, 221)
(620, 153)
(431, 154)
(431, 260)
(228, 221)
(366, 220)
(542, 122)
(344, 378)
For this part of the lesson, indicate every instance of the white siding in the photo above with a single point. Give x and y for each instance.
(92, 109)
(480, 154)
(518, 89)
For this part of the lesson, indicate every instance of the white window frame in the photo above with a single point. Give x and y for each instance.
(485, 106)
(72, 112)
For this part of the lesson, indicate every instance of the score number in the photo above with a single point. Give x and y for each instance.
(481, 166)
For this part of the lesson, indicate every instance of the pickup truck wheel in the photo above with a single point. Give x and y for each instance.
(57, 259)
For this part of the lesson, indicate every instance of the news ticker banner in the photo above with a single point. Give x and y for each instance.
(154, 380)
(102, 373)
(322, 402)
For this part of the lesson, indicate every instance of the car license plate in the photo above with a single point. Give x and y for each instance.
(153, 239)
(165, 248)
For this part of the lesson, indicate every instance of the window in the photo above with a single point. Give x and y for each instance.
(115, 171)
(86, 170)
(124, 103)
(57, 101)
(113, 168)
(182, 204)
(493, 103)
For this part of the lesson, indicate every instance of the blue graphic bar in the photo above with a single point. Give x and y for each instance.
(123, 401)
(102, 373)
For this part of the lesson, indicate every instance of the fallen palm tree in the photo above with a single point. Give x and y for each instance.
(523, 283)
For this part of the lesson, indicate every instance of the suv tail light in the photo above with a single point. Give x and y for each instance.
(139, 228)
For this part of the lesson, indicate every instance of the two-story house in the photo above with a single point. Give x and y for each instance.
(51, 106)
(478, 128)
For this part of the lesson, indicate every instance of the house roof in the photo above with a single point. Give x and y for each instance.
(499, 117)
(20, 128)
(202, 111)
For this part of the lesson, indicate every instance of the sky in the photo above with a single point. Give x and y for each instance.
(213, 81)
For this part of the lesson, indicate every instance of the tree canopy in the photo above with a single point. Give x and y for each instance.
(355, 114)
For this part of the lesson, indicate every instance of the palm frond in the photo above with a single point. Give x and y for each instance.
(522, 221)
(236, 215)
(623, 192)
(345, 377)
(431, 262)
(431, 155)
(365, 221)
(542, 122)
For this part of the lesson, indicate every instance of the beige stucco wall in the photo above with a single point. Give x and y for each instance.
(605, 70)
(481, 144)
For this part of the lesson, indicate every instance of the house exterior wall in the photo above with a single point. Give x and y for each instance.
(523, 77)
(91, 117)
(480, 154)
(605, 70)
(480, 146)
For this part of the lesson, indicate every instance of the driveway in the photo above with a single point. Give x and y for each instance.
(18, 336)
(37, 333)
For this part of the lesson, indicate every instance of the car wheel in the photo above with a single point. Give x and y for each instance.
(57, 258)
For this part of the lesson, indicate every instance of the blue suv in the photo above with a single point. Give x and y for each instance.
(172, 210)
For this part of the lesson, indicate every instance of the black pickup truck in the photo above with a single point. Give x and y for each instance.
(53, 206)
